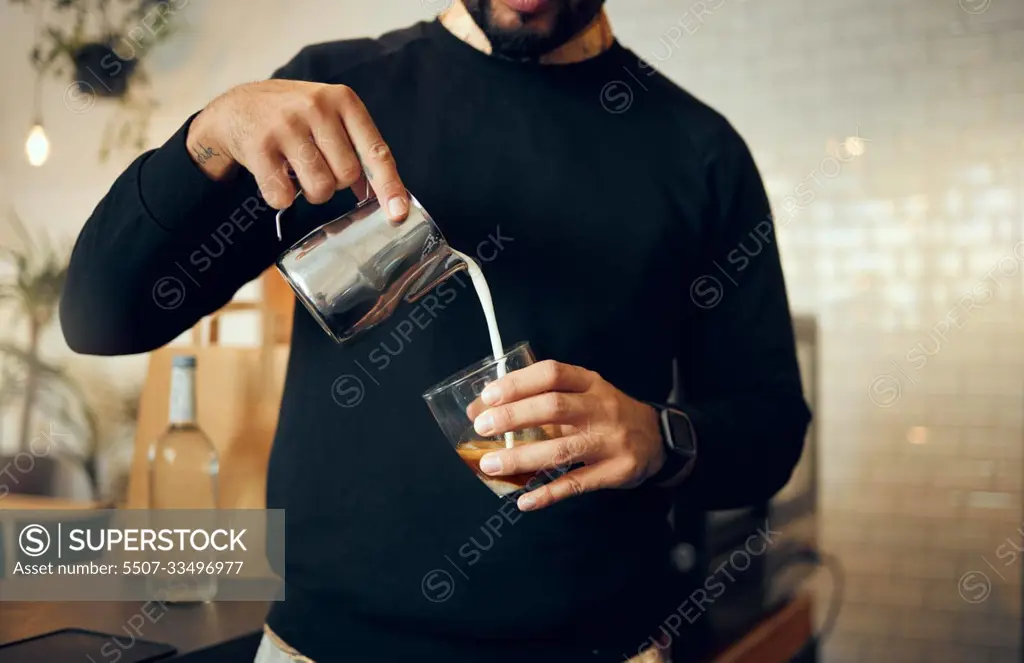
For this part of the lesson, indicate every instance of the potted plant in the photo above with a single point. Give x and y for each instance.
(102, 44)
(29, 296)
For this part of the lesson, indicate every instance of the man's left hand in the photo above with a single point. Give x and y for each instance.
(617, 438)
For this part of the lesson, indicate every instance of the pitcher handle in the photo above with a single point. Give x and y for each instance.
(368, 195)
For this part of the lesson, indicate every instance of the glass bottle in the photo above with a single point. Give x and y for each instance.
(183, 474)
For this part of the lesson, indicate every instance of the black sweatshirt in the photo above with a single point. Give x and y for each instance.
(620, 224)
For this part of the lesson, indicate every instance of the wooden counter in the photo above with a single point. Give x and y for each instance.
(776, 639)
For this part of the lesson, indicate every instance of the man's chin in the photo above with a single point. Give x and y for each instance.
(525, 35)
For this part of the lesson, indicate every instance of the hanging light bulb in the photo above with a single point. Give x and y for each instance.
(37, 145)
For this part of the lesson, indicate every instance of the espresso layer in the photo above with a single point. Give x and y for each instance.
(472, 452)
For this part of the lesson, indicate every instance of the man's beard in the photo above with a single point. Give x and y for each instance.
(525, 43)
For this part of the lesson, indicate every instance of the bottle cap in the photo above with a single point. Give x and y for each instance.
(183, 361)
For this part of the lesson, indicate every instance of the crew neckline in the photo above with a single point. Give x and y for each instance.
(440, 36)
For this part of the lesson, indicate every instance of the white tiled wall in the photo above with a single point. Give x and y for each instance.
(908, 242)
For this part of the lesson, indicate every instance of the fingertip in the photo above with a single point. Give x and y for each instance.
(490, 464)
(398, 208)
(527, 502)
(318, 195)
(278, 196)
(491, 395)
(276, 201)
(484, 424)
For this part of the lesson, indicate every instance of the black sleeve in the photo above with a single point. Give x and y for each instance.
(165, 246)
(740, 381)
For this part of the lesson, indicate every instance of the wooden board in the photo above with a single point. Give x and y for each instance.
(279, 306)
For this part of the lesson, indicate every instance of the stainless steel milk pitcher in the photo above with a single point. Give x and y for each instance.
(353, 272)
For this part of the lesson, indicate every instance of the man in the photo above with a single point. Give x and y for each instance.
(616, 237)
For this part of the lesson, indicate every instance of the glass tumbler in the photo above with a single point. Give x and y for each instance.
(455, 402)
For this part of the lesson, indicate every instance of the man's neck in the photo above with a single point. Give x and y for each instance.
(590, 41)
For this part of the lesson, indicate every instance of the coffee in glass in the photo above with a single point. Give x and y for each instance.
(455, 403)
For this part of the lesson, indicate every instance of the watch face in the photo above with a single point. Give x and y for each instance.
(679, 446)
(681, 438)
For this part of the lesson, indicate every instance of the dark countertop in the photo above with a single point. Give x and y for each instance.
(221, 632)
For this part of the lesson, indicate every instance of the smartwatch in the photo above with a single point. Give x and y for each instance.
(680, 444)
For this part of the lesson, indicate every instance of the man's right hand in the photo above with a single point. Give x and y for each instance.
(322, 133)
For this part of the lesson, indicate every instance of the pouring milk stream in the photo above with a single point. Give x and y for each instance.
(483, 293)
